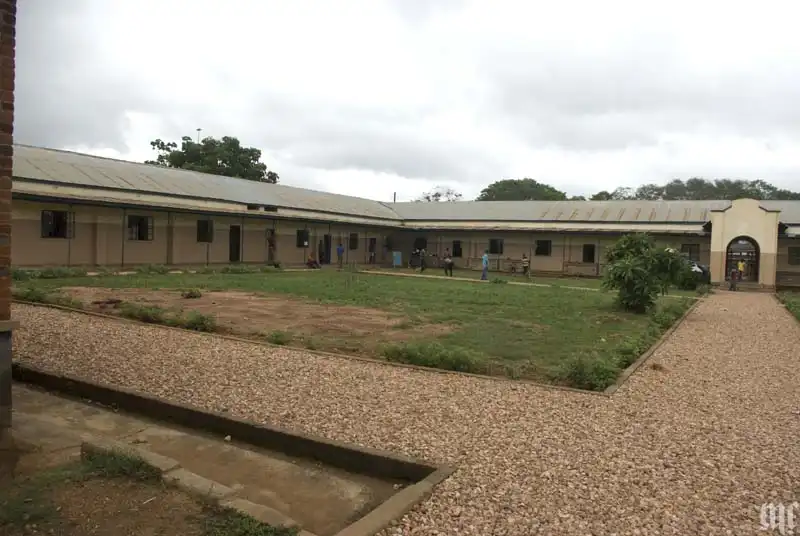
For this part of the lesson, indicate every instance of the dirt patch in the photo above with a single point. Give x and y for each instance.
(245, 314)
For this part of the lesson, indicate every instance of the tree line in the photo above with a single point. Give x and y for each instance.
(226, 156)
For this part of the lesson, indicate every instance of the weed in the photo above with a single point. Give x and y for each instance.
(198, 321)
(498, 281)
(279, 337)
(49, 297)
(152, 269)
(191, 294)
(434, 354)
(144, 313)
(117, 464)
(594, 373)
(220, 521)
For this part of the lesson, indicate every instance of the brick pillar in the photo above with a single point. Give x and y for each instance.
(8, 12)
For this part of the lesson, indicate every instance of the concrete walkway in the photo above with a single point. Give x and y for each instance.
(692, 446)
(319, 499)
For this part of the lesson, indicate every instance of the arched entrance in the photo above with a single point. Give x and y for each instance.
(743, 250)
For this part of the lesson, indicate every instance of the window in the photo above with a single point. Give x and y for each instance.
(205, 231)
(140, 227)
(544, 248)
(457, 253)
(353, 241)
(692, 251)
(794, 255)
(588, 253)
(496, 246)
(420, 242)
(302, 238)
(373, 244)
(58, 224)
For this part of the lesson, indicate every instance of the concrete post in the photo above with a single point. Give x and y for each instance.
(8, 13)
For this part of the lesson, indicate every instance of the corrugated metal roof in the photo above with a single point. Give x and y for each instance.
(563, 211)
(86, 170)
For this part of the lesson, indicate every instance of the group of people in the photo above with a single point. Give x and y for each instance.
(418, 260)
(736, 274)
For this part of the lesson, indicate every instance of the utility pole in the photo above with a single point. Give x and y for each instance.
(198, 134)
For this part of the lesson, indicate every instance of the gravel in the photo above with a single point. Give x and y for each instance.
(693, 447)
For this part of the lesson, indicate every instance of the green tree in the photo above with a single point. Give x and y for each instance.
(440, 193)
(520, 190)
(699, 189)
(224, 156)
(640, 270)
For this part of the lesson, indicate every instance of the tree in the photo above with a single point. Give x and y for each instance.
(520, 190)
(699, 189)
(440, 193)
(225, 157)
(640, 270)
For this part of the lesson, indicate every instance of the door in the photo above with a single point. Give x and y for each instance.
(235, 242)
(327, 243)
(270, 246)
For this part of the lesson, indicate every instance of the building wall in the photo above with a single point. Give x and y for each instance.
(565, 250)
(99, 238)
(788, 262)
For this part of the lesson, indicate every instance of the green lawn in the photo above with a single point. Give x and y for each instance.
(792, 302)
(533, 332)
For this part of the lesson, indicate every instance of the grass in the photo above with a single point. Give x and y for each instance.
(792, 302)
(28, 503)
(564, 336)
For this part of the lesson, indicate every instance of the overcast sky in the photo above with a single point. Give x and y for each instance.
(369, 97)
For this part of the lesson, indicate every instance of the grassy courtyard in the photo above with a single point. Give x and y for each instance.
(552, 334)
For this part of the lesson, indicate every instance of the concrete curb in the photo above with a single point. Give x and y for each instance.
(423, 476)
(191, 483)
(633, 367)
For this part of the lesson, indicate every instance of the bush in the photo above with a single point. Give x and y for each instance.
(640, 271)
(152, 269)
(144, 313)
(198, 321)
(279, 337)
(594, 373)
(192, 294)
(38, 295)
(19, 274)
(435, 355)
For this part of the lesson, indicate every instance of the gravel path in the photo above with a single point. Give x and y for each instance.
(694, 448)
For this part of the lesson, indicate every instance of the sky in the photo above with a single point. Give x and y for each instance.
(377, 97)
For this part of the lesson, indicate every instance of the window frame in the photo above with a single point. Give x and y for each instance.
(69, 225)
(456, 247)
(149, 234)
(793, 259)
(686, 249)
(584, 250)
(352, 241)
(496, 246)
(302, 238)
(549, 248)
(205, 226)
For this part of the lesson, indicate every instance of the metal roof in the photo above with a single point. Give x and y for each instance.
(93, 171)
(563, 211)
(56, 166)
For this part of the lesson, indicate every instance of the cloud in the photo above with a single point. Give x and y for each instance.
(403, 95)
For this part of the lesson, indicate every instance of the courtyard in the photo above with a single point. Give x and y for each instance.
(693, 443)
(553, 334)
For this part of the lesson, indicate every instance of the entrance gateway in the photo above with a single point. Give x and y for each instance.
(743, 251)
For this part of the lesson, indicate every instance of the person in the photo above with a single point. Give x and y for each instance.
(340, 255)
(740, 267)
(485, 263)
(734, 277)
(422, 260)
(312, 262)
(448, 263)
(525, 264)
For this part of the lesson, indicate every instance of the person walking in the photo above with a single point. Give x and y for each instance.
(448, 263)
(485, 263)
(740, 266)
(340, 255)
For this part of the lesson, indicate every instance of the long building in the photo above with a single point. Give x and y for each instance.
(73, 209)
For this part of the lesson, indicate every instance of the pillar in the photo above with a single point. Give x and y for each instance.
(8, 12)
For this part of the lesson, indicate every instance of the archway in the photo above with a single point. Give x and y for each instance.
(743, 251)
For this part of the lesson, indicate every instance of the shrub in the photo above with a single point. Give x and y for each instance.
(435, 355)
(152, 269)
(639, 270)
(198, 321)
(279, 337)
(594, 373)
(192, 294)
(144, 313)
(38, 295)
(499, 281)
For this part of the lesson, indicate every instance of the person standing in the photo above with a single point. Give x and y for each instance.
(485, 263)
(340, 255)
(526, 264)
(448, 263)
(740, 266)
(422, 254)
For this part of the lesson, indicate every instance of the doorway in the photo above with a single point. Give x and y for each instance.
(743, 252)
(235, 243)
(327, 243)
(271, 246)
